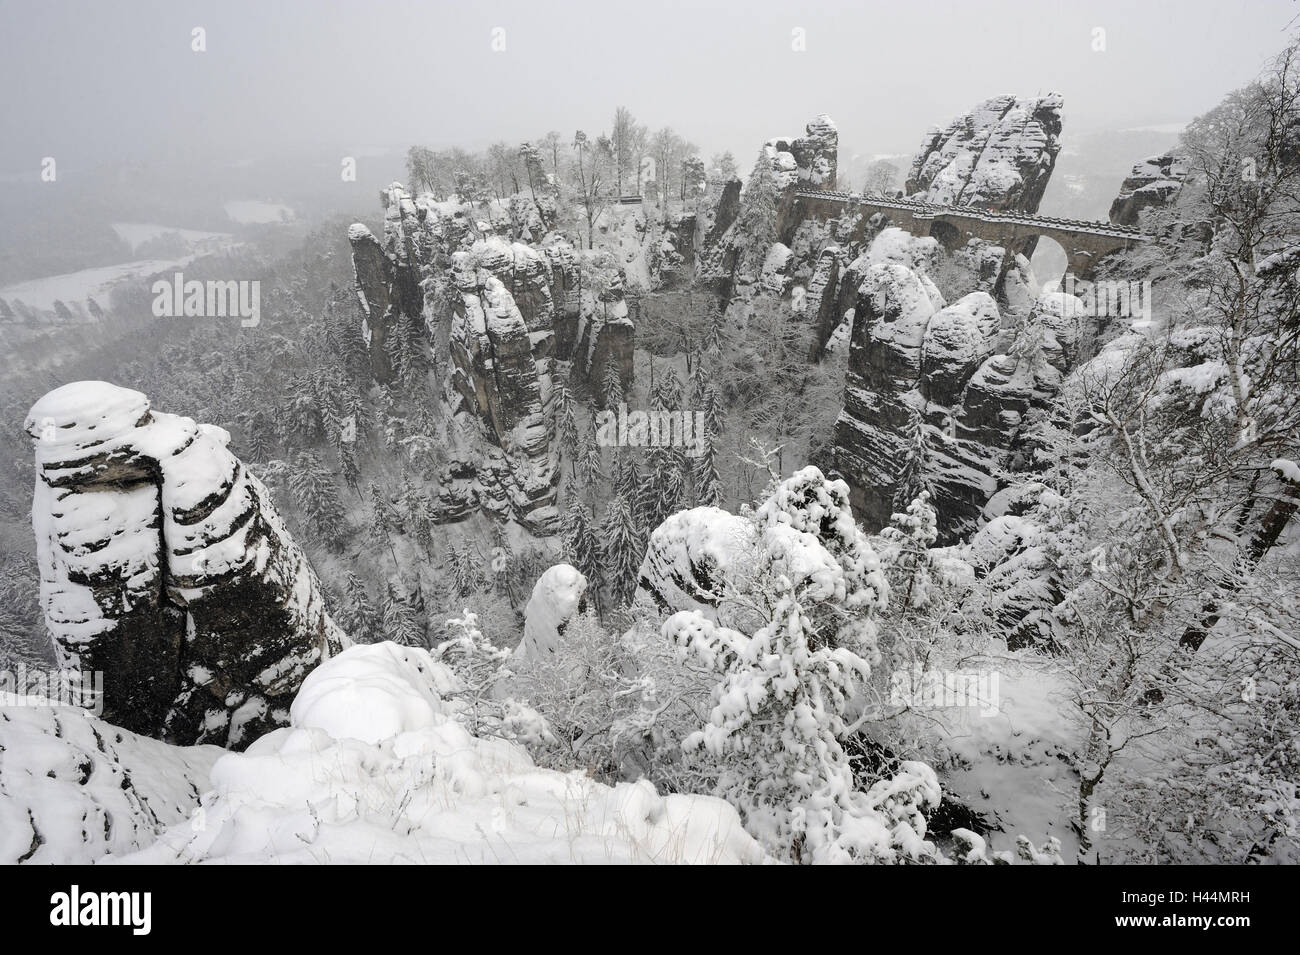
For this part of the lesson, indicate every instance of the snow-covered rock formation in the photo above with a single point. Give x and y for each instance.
(502, 368)
(165, 565)
(1152, 183)
(694, 557)
(719, 566)
(513, 304)
(559, 594)
(999, 155)
(951, 372)
(606, 332)
(376, 768)
(809, 160)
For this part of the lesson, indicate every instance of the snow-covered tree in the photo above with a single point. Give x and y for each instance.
(782, 707)
(316, 495)
(401, 622)
(913, 478)
(621, 548)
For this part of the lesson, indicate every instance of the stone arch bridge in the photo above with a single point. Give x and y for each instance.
(1085, 243)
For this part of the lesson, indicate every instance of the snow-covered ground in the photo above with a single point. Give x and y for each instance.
(74, 788)
(375, 768)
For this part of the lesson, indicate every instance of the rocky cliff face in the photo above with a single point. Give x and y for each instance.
(512, 309)
(502, 369)
(606, 335)
(999, 155)
(953, 371)
(720, 212)
(673, 258)
(388, 275)
(1152, 183)
(164, 565)
(809, 162)
(811, 159)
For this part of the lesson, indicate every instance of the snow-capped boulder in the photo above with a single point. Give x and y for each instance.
(164, 565)
(559, 594)
(695, 556)
(999, 155)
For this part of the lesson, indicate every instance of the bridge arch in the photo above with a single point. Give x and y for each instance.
(1048, 259)
(948, 235)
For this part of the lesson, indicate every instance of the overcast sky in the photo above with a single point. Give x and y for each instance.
(102, 80)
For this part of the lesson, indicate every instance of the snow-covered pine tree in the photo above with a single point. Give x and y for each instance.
(349, 470)
(466, 568)
(913, 532)
(715, 334)
(260, 440)
(580, 542)
(358, 616)
(611, 385)
(782, 705)
(708, 484)
(667, 394)
(566, 426)
(715, 412)
(913, 478)
(756, 220)
(316, 496)
(383, 520)
(413, 348)
(401, 623)
(590, 463)
(414, 506)
(625, 476)
(621, 549)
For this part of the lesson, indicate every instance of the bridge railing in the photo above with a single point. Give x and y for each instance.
(974, 212)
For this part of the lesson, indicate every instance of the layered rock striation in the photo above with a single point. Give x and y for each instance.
(165, 566)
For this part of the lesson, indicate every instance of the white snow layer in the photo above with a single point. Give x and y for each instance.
(374, 768)
(74, 788)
